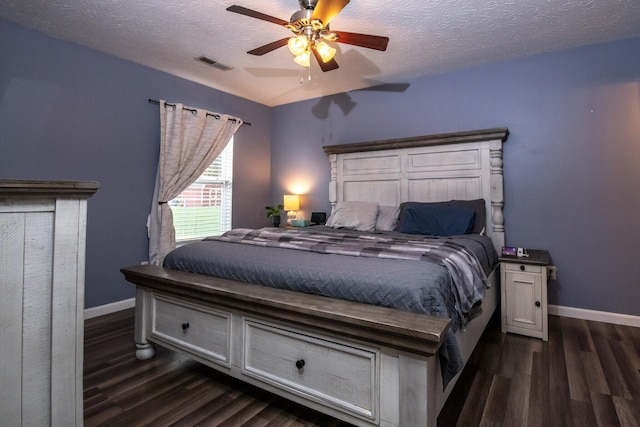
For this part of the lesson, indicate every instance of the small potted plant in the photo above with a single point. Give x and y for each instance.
(273, 212)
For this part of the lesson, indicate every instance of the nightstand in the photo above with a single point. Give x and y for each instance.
(524, 294)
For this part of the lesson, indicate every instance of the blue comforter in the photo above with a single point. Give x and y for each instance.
(438, 276)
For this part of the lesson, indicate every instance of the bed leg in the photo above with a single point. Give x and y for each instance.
(144, 349)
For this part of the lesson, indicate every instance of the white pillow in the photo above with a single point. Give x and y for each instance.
(387, 218)
(359, 216)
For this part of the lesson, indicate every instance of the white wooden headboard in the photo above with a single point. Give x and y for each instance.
(432, 168)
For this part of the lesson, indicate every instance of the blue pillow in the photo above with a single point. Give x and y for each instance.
(436, 220)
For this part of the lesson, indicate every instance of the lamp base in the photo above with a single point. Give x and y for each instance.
(290, 216)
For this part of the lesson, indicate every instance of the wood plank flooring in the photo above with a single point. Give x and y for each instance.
(588, 374)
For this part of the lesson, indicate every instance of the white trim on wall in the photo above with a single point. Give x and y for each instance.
(113, 307)
(555, 310)
(597, 316)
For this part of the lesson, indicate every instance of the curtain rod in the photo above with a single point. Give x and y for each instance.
(155, 101)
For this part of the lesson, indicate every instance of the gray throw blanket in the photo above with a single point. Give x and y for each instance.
(466, 272)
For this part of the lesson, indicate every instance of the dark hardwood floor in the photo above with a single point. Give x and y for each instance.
(588, 374)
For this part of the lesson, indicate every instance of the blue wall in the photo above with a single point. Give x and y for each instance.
(71, 113)
(572, 161)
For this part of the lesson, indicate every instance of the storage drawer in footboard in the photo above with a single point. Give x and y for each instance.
(335, 373)
(197, 329)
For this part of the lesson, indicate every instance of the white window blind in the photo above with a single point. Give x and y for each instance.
(204, 208)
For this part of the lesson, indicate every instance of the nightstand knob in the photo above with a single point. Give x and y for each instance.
(300, 364)
(185, 326)
(537, 303)
(522, 267)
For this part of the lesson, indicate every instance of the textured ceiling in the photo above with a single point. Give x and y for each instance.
(425, 37)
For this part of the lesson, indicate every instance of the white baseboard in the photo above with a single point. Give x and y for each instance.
(598, 316)
(555, 310)
(101, 310)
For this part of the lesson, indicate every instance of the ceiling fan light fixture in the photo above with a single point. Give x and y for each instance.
(329, 36)
(326, 52)
(311, 33)
(303, 59)
(298, 45)
(317, 24)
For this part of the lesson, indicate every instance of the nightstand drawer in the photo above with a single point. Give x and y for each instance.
(337, 374)
(198, 329)
(527, 268)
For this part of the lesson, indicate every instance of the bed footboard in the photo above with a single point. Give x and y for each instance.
(364, 364)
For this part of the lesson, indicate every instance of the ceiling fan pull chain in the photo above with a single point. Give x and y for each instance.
(301, 81)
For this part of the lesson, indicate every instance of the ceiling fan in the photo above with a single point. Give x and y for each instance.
(311, 28)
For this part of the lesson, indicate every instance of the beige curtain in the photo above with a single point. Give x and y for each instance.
(190, 140)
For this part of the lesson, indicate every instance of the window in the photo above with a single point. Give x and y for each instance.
(204, 208)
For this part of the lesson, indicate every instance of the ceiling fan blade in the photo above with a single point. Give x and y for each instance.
(363, 40)
(326, 10)
(259, 51)
(325, 66)
(258, 15)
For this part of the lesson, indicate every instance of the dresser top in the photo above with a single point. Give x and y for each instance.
(35, 188)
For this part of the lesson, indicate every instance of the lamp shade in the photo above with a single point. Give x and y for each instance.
(326, 52)
(298, 45)
(291, 202)
(303, 59)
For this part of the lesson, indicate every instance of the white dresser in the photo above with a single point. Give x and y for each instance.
(42, 256)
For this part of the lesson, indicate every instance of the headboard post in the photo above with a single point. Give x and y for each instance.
(497, 194)
(432, 168)
(333, 183)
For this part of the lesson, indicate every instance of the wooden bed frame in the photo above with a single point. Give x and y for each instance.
(364, 364)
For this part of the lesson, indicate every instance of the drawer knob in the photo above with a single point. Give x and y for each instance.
(522, 267)
(300, 364)
(185, 326)
(537, 303)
